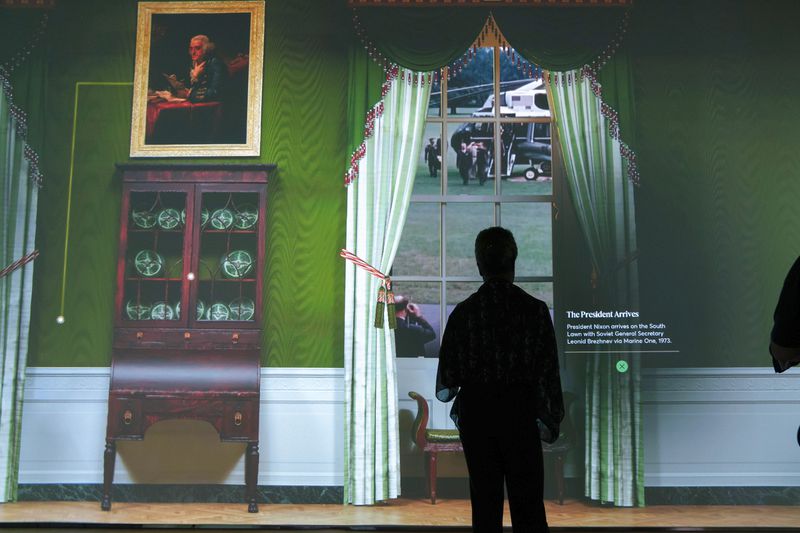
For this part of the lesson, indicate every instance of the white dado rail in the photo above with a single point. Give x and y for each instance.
(702, 427)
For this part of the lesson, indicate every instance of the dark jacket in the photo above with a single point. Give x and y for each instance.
(785, 337)
(499, 344)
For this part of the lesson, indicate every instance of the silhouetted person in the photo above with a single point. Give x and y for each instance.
(499, 360)
(785, 337)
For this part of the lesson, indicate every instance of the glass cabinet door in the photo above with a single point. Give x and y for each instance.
(153, 277)
(228, 258)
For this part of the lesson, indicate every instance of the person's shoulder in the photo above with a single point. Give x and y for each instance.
(528, 299)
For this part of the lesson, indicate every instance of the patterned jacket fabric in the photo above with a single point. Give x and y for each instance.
(499, 344)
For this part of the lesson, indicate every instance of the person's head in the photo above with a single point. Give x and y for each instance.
(198, 47)
(496, 253)
(400, 305)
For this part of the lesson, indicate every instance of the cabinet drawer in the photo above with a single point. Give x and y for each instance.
(240, 420)
(187, 339)
(125, 418)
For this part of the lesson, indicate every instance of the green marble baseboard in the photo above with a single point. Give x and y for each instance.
(180, 493)
(722, 495)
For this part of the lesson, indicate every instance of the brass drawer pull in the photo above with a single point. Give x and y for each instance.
(238, 418)
(127, 417)
(187, 336)
(139, 335)
(235, 338)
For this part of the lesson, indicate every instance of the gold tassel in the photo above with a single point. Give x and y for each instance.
(390, 309)
(380, 307)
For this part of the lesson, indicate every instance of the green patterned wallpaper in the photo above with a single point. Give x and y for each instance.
(717, 116)
(717, 211)
(302, 132)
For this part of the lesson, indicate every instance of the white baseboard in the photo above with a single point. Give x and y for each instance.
(301, 433)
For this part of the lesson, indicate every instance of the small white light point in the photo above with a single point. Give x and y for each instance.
(60, 319)
(190, 276)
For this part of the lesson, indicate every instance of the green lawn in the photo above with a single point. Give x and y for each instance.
(418, 254)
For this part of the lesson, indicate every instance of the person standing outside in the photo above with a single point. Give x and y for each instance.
(499, 360)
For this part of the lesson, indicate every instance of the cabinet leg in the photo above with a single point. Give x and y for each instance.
(251, 476)
(109, 457)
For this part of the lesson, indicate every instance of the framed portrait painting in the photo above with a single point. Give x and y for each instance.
(197, 80)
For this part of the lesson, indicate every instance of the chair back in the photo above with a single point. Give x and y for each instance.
(420, 424)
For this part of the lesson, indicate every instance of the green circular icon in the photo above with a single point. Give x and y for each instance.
(162, 311)
(237, 264)
(148, 263)
(218, 311)
(622, 366)
(169, 218)
(222, 219)
(143, 218)
(136, 311)
(242, 309)
(246, 217)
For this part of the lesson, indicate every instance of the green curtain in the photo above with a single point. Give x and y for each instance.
(17, 235)
(22, 111)
(604, 202)
(413, 37)
(377, 203)
(559, 39)
(556, 39)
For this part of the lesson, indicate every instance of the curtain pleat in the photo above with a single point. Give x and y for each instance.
(18, 197)
(603, 197)
(377, 204)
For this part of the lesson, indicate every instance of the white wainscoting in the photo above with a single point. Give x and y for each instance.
(301, 433)
(702, 427)
(721, 427)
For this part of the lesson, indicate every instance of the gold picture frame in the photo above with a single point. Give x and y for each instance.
(197, 79)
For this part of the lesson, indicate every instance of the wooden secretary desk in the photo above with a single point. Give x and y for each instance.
(189, 305)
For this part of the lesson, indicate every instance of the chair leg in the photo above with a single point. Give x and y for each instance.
(432, 475)
(559, 467)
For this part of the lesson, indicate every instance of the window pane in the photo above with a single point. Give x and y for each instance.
(526, 162)
(470, 164)
(418, 253)
(464, 221)
(435, 101)
(531, 224)
(418, 325)
(541, 290)
(458, 291)
(427, 177)
(469, 91)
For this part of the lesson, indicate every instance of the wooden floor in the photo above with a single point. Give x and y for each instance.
(397, 513)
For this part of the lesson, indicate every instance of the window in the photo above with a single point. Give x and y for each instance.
(480, 165)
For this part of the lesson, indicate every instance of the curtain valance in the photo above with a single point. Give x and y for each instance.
(429, 38)
(23, 67)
